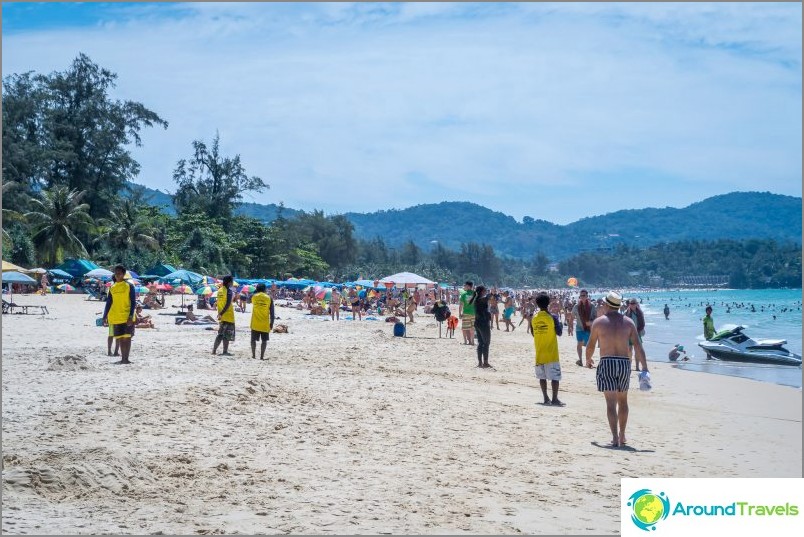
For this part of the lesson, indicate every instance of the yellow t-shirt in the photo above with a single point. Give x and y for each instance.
(261, 312)
(544, 338)
(120, 311)
(227, 317)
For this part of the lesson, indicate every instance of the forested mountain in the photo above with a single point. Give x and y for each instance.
(738, 215)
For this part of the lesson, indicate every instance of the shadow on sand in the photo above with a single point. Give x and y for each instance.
(628, 448)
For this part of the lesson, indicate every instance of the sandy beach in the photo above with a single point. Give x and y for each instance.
(346, 429)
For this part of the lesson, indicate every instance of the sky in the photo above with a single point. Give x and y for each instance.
(556, 111)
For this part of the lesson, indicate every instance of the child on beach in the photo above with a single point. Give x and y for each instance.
(452, 324)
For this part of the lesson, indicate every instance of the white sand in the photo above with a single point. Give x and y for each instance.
(346, 429)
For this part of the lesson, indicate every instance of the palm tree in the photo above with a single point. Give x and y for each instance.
(128, 233)
(56, 218)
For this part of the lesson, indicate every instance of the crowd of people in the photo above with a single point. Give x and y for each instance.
(613, 325)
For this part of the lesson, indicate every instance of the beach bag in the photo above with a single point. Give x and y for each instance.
(399, 330)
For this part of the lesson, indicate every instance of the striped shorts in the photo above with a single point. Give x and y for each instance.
(467, 322)
(613, 374)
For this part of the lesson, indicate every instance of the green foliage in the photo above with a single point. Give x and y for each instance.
(56, 220)
(210, 183)
(747, 264)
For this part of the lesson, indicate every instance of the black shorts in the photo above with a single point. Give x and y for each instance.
(122, 330)
(256, 335)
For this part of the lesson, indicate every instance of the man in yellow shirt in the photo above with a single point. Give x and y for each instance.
(225, 305)
(119, 312)
(546, 328)
(262, 320)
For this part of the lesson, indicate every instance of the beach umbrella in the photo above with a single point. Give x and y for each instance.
(248, 289)
(16, 277)
(183, 276)
(11, 266)
(324, 294)
(142, 289)
(207, 290)
(99, 273)
(184, 290)
(65, 287)
(163, 287)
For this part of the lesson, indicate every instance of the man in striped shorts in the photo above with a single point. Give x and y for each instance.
(613, 331)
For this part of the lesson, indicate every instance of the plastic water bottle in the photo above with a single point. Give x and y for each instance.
(644, 381)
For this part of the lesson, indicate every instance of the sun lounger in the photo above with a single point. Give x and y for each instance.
(94, 295)
(9, 307)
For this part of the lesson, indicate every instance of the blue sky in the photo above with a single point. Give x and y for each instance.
(555, 111)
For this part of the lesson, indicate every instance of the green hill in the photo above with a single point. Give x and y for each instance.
(738, 215)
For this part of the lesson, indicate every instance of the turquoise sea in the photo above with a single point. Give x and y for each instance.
(730, 307)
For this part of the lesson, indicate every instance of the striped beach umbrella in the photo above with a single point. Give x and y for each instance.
(65, 287)
(183, 289)
(207, 290)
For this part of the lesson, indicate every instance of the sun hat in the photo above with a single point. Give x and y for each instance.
(613, 299)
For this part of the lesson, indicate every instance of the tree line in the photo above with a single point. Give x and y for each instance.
(67, 192)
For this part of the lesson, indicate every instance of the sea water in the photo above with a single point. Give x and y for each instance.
(731, 307)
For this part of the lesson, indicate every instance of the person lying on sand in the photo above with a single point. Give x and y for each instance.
(192, 318)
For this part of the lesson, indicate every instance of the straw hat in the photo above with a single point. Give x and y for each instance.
(613, 300)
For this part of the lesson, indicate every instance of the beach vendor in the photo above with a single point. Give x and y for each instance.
(262, 320)
(119, 313)
(226, 316)
(546, 328)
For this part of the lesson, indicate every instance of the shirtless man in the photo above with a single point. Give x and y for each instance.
(613, 331)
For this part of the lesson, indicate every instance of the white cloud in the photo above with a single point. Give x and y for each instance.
(355, 107)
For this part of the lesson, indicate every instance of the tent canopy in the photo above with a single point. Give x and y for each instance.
(160, 269)
(407, 279)
(77, 267)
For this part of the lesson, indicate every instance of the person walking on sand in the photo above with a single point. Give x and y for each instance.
(708, 324)
(482, 325)
(335, 305)
(546, 328)
(634, 312)
(466, 311)
(612, 330)
(508, 311)
(582, 313)
(226, 316)
(262, 320)
(119, 313)
(494, 307)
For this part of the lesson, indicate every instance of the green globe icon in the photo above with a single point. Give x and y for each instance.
(648, 509)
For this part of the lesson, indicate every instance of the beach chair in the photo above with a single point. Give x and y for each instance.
(93, 294)
(9, 307)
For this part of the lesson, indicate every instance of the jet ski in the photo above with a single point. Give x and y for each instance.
(732, 345)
